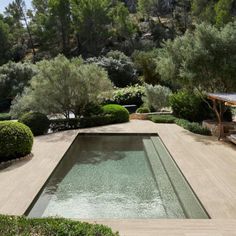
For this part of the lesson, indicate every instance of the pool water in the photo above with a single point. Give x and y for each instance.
(117, 177)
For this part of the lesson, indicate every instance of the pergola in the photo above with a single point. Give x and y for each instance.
(220, 100)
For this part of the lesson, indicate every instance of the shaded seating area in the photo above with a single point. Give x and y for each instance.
(220, 101)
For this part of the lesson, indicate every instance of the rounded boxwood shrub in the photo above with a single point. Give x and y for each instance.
(38, 122)
(22, 226)
(16, 140)
(143, 110)
(119, 114)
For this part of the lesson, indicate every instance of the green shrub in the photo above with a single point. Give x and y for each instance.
(119, 114)
(38, 122)
(131, 95)
(21, 226)
(16, 140)
(5, 116)
(98, 120)
(64, 124)
(187, 105)
(193, 127)
(163, 118)
(143, 110)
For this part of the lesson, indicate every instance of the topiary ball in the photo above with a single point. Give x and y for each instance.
(119, 114)
(16, 140)
(38, 122)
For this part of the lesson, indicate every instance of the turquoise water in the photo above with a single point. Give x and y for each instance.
(109, 177)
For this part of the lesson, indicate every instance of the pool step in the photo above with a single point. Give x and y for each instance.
(192, 207)
(167, 193)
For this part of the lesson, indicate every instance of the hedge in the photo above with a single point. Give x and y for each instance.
(21, 226)
(38, 122)
(93, 121)
(16, 140)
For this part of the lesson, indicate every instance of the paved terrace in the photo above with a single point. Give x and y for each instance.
(208, 165)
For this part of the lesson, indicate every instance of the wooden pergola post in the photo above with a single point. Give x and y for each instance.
(219, 115)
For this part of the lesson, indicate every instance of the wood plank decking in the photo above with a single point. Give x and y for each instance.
(208, 165)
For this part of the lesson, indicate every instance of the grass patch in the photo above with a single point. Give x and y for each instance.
(162, 118)
(5, 116)
(21, 226)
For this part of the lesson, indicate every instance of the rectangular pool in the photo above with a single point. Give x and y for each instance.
(117, 177)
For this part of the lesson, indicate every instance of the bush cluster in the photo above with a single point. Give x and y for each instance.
(186, 105)
(193, 127)
(21, 226)
(128, 96)
(120, 70)
(189, 106)
(16, 140)
(119, 114)
(163, 118)
(38, 122)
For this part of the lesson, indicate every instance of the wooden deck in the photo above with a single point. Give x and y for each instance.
(21, 181)
(172, 227)
(208, 165)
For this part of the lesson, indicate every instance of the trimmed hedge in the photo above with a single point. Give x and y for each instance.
(21, 226)
(5, 116)
(193, 127)
(119, 114)
(93, 121)
(38, 122)
(163, 118)
(143, 110)
(16, 140)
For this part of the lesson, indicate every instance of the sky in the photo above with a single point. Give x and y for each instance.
(4, 3)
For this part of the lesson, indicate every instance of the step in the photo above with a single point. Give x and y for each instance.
(171, 203)
(189, 201)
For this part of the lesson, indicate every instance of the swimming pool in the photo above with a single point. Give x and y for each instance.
(117, 177)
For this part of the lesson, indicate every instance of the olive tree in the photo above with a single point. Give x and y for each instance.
(203, 60)
(62, 86)
(156, 96)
